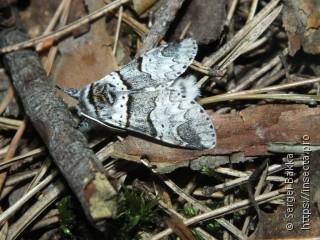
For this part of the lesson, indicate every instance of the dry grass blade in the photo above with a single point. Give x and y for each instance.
(20, 177)
(7, 99)
(168, 209)
(12, 149)
(250, 94)
(42, 171)
(17, 205)
(54, 49)
(114, 50)
(248, 39)
(295, 148)
(8, 123)
(253, 9)
(201, 207)
(4, 231)
(223, 211)
(35, 210)
(267, 67)
(287, 97)
(12, 161)
(238, 38)
(53, 21)
(231, 11)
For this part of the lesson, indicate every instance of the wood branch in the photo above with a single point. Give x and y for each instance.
(51, 118)
(246, 134)
(161, 26)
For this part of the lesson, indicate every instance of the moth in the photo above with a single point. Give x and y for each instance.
(152, 96)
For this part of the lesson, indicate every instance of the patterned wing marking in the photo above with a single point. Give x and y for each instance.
(106, 100)
(169, 61)
(159, 65)
(179, 120)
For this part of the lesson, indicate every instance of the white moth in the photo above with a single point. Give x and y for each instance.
(149, 96)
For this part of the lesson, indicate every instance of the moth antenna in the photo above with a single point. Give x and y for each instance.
(72, 92)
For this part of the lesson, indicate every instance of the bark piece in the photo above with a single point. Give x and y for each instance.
(205, 27)
(245, 134)
(301, 21)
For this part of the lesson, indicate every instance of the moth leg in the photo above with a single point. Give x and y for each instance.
(86, 126)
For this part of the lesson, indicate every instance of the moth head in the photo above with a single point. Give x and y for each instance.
(97, 100)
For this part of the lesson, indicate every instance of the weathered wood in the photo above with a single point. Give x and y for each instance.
(53, 121)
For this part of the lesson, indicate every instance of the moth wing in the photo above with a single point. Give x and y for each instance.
(185, 124)
(179, 120)
(169, 61)
(171, 115)
(159, 65)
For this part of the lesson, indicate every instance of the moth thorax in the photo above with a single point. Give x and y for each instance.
(102, 95)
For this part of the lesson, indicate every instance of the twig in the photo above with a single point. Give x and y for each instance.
(53, 121)
(160, 27)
